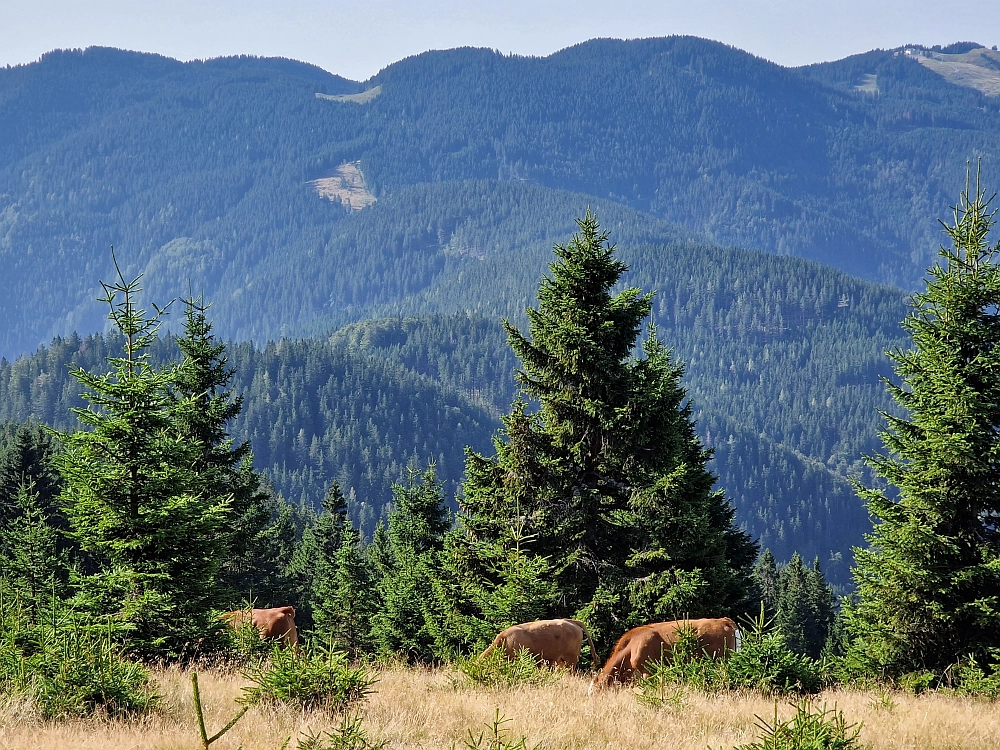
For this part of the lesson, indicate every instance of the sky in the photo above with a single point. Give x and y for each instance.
(356, 39)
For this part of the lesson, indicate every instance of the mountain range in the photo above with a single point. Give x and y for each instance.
(780, 214)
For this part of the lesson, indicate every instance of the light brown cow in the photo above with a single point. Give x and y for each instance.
(555, 642)
(649, 643)
(273, 623)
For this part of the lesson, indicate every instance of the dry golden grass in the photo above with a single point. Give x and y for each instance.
(425, 709)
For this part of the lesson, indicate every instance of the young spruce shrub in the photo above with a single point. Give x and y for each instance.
(68, 666)
(766, 663)
(496, 671)
(348, 735)
(314, 677)
(811, 728)
(496, 737)
(970, 678)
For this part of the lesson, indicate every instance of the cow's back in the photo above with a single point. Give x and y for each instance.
(273, 622)
(554, 641)
(716, 635)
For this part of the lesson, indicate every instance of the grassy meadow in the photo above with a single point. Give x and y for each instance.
(414, 708)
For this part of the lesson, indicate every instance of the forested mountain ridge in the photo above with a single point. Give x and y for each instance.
(783, 357)
(202, 171)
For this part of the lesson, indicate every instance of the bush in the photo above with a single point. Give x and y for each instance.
(809, 729)
(350, 735)
(243, 643)
(310, 678)
(969, 678)
(69, 667)
(497, 671)
(495, 737)
(765, 663)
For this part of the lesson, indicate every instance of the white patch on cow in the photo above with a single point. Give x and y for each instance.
(739, 639)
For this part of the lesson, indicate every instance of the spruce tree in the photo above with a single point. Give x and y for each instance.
(404, 623)
(929, 581)
(28, 460)
(133, 499)
(609, 473)
(204, 407)
(805, 612)
(33, 564)
(313, 563)
(344, 599)
(765, 573)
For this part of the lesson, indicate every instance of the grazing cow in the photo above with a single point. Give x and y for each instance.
(273, 623)
(649, 643)
(555, 642)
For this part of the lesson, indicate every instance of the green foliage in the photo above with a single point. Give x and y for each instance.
(766, 663)
(242, 644)
(204, 408)
(811, 728)
(342, 595)
(609, 474)
(799, 601)
(68, 665)
(348, 735)
(969, 677)
(31, 559)
(929, 582)
(134, 500)
(496, 671)
(496, 737)
(405, 621)
(315, 677)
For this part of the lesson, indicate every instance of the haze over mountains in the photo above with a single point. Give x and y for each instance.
(300, 202)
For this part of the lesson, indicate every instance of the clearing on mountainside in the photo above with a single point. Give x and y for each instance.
(868, 84)
(363, 98)
(976, 69)
(347, 185)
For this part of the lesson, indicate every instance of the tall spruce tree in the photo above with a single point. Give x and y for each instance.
(313, 563)
(609, 473)
(345, 599)
(404, 623)
(765, 573)
(929, 582)
(28, 460)
(204, 407)
(133, 496)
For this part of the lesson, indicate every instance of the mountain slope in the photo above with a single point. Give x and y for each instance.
(206, 170)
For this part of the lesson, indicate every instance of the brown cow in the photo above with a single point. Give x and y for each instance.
(273, 623)
(555, 642)
(649, 643)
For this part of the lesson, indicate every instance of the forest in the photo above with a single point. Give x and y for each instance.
(203, 171)
(782, 359)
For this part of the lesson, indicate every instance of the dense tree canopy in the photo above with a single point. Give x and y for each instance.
(929, 583)
(609, 471)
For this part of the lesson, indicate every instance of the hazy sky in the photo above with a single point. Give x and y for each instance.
(357, 38)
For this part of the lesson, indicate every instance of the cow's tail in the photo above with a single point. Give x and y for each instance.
(594, 659)
(492, 647)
